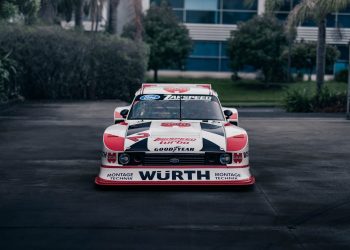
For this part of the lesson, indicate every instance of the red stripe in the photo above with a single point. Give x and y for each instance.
(174, 167)
(117, 115)
(113, 142)
(234, 116)
(236, 143)
(249, 181)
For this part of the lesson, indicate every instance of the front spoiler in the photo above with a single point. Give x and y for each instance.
(214, 176)
(246, 182)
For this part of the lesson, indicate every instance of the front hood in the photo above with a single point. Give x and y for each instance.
(175, 137)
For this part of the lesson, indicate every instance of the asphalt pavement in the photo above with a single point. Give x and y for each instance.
(49, 156)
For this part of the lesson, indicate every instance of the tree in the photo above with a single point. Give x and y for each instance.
(78, 13)
(28, 9)
(48, 11)
(112, 16)
(169, 41)
(259, 42)
(303, 56)
(8, 9)
(317, 11)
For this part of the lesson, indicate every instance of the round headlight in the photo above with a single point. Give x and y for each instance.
(225, 159)
(124, 158)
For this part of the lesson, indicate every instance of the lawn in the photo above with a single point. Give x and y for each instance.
(251, 92)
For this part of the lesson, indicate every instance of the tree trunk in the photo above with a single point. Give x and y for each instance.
(78, 14)
(321, 55)
(47, 11)
(155, 78)
(138, 22)
(112, 16)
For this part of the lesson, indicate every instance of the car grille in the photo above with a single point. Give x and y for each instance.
(174, 159)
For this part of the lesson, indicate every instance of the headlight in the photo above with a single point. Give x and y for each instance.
(225, 159)
(124, 158)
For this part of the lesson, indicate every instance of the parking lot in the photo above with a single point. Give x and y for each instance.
(50, 156)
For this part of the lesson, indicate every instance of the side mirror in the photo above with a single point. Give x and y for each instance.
(124, 113)
(228, 113)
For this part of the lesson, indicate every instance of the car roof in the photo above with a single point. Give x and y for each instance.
(176, 88)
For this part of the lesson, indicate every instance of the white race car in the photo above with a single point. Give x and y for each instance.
(175, 134)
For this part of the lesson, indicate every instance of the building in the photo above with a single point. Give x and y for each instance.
(210, 23)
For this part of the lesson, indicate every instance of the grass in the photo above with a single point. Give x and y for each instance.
(252, 92)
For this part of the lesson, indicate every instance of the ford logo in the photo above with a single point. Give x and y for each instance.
(149, 97)
(174, 160)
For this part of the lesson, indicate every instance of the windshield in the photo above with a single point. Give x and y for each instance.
(176, 107)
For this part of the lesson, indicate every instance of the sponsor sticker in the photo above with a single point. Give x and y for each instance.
(188, 97)
(174, 140)
(149, 97)
(176, 175)
(111, 157)
(237, 157)
(175, 124)
(174, 149)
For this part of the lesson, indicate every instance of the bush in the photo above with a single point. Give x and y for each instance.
(326, 101)
(297, 101)
(342, 76)
(8, 71)
(329, 102)
(60, 64)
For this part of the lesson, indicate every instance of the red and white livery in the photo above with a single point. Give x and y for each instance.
(175, 134)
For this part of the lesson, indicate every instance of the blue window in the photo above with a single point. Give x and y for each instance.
(238, 5)
(201, 4)
(176, 3)
(172, 3)
(236, 17)
(205, 48)
(193, 16)
(202, 64)
(344, 21)
(225, 65)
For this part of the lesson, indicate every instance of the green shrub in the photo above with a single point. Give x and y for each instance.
(329, 102)
(8, 71)
(342, 76)
(298, 101)
(326, 101)
(60, 64)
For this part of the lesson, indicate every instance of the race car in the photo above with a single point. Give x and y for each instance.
(175, 134)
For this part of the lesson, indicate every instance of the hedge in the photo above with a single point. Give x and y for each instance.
(58, 64)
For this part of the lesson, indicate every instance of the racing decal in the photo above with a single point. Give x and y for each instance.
(175, 175)
(206, 86)
(236, 143)
(212, 128)
(137, 128)
(177, 124)
(138, 136)
(147, 86)
(138, 146)
(209, 146)
(113, 142)
(118, 115)
(176, 90)
(149, 97)
(111, 157)
(237, 157)
(234, 116)
(188, 97)
(182, 137)
(188, 174)
(174, 149)
(170, 140)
